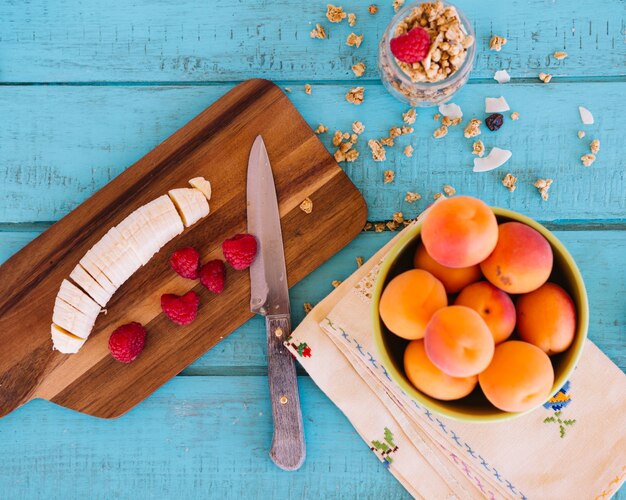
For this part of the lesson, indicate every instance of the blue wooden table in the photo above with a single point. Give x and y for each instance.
(88, 87)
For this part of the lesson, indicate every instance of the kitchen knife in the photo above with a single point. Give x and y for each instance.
(269, 297)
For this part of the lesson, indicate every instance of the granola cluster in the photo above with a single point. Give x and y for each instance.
(497, 42)
(358, 69)
(335, 14)
(588, 159)
(355, 95)
(509, 182)
(449, 42)
(344, 142)
(307, 206)
(543, 185)
(473, 128)
(354, 40)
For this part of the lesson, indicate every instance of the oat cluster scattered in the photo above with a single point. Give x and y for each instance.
(358, 69)
(354, 40)
(473, 128)
(509, 182)
(397, 4)
(436, 196)
(545, 77)
(588, 159)
(449, 190)
(344, 141)
(372, 9)
(378, 153)
(307, 88)
(559, 55)
(408, 151)
(581, 134)
(359, 261)
(358, 127)
(497, 42)
(321, 129)
(307, 206)
(318, 32)
(307, 307)
(389, 176)
(595, 146)
(412, 197)
(478, 148)
(351, 19)
(440, 132)
(448, 49)
(409, 116)
(335, 14)
(515, 116)
(543, 185)
(355, 95)
(335, 283)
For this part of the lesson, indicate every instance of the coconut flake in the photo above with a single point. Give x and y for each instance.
(451, 110)
(496, 105)
(585, 115)
(502, 76)
(496, 158)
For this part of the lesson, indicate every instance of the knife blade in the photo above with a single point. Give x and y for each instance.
(269, 297)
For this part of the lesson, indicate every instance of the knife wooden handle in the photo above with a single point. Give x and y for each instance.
(288, 448)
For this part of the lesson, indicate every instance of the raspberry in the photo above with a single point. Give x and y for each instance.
(411, 47)
(213, 276)
(181, 309)
(186, 262)
(127, 341)
(240, 250)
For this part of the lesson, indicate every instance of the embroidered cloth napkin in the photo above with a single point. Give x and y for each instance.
(572, 447)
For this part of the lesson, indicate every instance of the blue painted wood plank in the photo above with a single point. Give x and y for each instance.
(599, 254)
(60, 144)
(197, 437)
(200, 40)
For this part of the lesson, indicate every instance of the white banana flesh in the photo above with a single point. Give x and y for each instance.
(84, 280)
(64, 341)
(72, 320)
(202, 185)
(192, 205)
(78, 299)
(116, 257)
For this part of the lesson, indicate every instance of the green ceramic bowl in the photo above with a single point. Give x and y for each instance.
(475, 407)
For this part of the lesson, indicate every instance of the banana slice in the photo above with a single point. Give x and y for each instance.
(78, 299)
(106, 263)
(114, 251)
(84, 280)
(163, 219)
(65, 342)
(191, 204)
(136, 231)
(72, 320)
(90, 266)
(202, 185)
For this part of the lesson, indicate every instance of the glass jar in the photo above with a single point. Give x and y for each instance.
(422, 93)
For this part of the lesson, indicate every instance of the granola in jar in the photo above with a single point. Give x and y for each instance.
(443, 67)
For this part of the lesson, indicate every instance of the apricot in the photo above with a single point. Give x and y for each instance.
(408, 302)
(431, 380)
(521, 261)
(547, 318)
(453, 278)
(458, 341)
(460, 231)
(494, 306)
(519, 378)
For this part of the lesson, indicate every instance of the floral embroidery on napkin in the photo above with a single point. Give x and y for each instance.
(385, 448)
(556, 403)
(303, 349)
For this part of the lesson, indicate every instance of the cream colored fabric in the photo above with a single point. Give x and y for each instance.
(573, 447)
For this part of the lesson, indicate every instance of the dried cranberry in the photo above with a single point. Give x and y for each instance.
(495, 121)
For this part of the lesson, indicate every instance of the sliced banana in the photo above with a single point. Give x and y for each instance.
(72, 320)
(202, 185)
(84, 280)
(113, 250)
(78, 299)
(94, 270)
(192, 205)
(136, 231)
(163, 219)
(65, 342)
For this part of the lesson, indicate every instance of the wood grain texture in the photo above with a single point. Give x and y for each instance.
(215, 145)
(73, 140)
(202, 40)
(599, 255)
(195, 438)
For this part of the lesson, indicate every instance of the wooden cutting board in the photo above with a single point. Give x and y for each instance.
(215, 145)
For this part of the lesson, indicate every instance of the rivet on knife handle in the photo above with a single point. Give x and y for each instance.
(288, 448)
